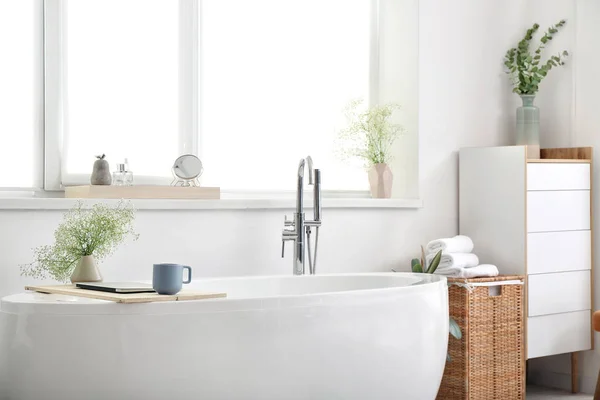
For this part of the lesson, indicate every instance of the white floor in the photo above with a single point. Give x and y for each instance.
(538, 393)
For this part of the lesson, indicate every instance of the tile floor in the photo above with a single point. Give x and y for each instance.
(538, 393)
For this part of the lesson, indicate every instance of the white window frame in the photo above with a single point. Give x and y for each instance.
(54, 76)
(190, 111)
(38, 149)
(56, 79)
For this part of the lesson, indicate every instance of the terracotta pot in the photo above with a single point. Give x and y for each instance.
(86, 271)
(380, 180)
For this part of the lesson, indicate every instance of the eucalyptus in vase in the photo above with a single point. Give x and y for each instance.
(526, 71)
(369, 136)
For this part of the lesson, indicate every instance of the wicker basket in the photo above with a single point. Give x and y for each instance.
(488, 363)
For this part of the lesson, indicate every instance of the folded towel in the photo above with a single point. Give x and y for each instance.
(480, 271)
(461, 260)
(456, 244)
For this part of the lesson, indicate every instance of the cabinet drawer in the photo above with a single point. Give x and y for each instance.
(559, 293)
(559, 251)
(558, 211)
(558, 333)
(559, 176)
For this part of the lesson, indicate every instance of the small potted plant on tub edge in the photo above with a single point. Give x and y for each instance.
(85, 236)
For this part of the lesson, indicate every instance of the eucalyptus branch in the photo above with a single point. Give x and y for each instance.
(526, 70)
(547, 37)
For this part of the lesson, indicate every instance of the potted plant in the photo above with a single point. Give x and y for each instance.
(417, 266)
(85, 236)
(527, 71)
(369, 136)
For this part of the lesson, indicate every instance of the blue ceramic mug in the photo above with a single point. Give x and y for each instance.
(168, 278)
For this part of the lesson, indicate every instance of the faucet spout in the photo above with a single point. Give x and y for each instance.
(300, 188)
(311, 170)
(301, 168)
(300, 234)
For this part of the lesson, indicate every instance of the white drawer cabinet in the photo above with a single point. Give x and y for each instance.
(558, 176)
(553, 211)
(559, 293)
(558, 333)
(533, 218)
(559, 251)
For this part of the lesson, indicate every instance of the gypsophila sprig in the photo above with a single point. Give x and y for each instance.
(526, 70)
(96, 231)
(369, 133)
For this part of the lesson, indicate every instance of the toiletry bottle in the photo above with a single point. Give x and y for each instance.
(128, 178)
(119, 175)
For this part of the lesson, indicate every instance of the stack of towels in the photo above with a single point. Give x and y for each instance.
(457, 258)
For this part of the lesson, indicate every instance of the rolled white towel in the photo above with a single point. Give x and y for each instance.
(456, 244)
(480, 271)
(462, 260)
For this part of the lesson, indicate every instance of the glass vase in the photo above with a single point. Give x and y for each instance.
(528, 126)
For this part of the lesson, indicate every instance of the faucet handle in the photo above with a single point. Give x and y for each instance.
(285, 236)
(286, 222)
(317, 195)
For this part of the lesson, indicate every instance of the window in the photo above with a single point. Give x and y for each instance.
(250, 86)
(121, 85)
(275, 78)
(21, 100)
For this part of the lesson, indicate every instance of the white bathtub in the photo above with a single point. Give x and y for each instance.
(359, 336)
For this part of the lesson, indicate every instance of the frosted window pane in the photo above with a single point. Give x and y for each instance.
(19, 94)
(276, 75)
(122, 80)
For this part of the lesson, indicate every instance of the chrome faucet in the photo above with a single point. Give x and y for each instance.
(300, 230)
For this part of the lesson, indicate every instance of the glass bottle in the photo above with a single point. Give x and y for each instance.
(119, 175)
(128, 175)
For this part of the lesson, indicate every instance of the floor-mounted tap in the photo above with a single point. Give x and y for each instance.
(301, 229)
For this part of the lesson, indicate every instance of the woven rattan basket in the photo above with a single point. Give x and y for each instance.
(488, 363)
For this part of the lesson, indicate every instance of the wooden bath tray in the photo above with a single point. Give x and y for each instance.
(71, 290)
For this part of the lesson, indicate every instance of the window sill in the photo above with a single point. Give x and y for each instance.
(15, 203)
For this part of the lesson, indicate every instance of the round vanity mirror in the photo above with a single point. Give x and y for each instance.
(186, 170)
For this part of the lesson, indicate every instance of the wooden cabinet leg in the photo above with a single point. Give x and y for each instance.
(574, 373)
(597, 392)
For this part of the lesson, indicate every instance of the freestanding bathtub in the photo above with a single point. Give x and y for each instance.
(324, 337)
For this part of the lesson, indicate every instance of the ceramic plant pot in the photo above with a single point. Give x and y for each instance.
(380, 180)
(528, 126)
(101, 172)
(86, 271)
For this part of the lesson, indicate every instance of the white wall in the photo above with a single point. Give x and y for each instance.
(464, 100)
(222, 243)
(587, 128)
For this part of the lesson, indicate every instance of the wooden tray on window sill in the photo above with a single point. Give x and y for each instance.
(142, 192)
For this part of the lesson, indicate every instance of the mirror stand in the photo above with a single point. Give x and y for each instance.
(177, 181)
